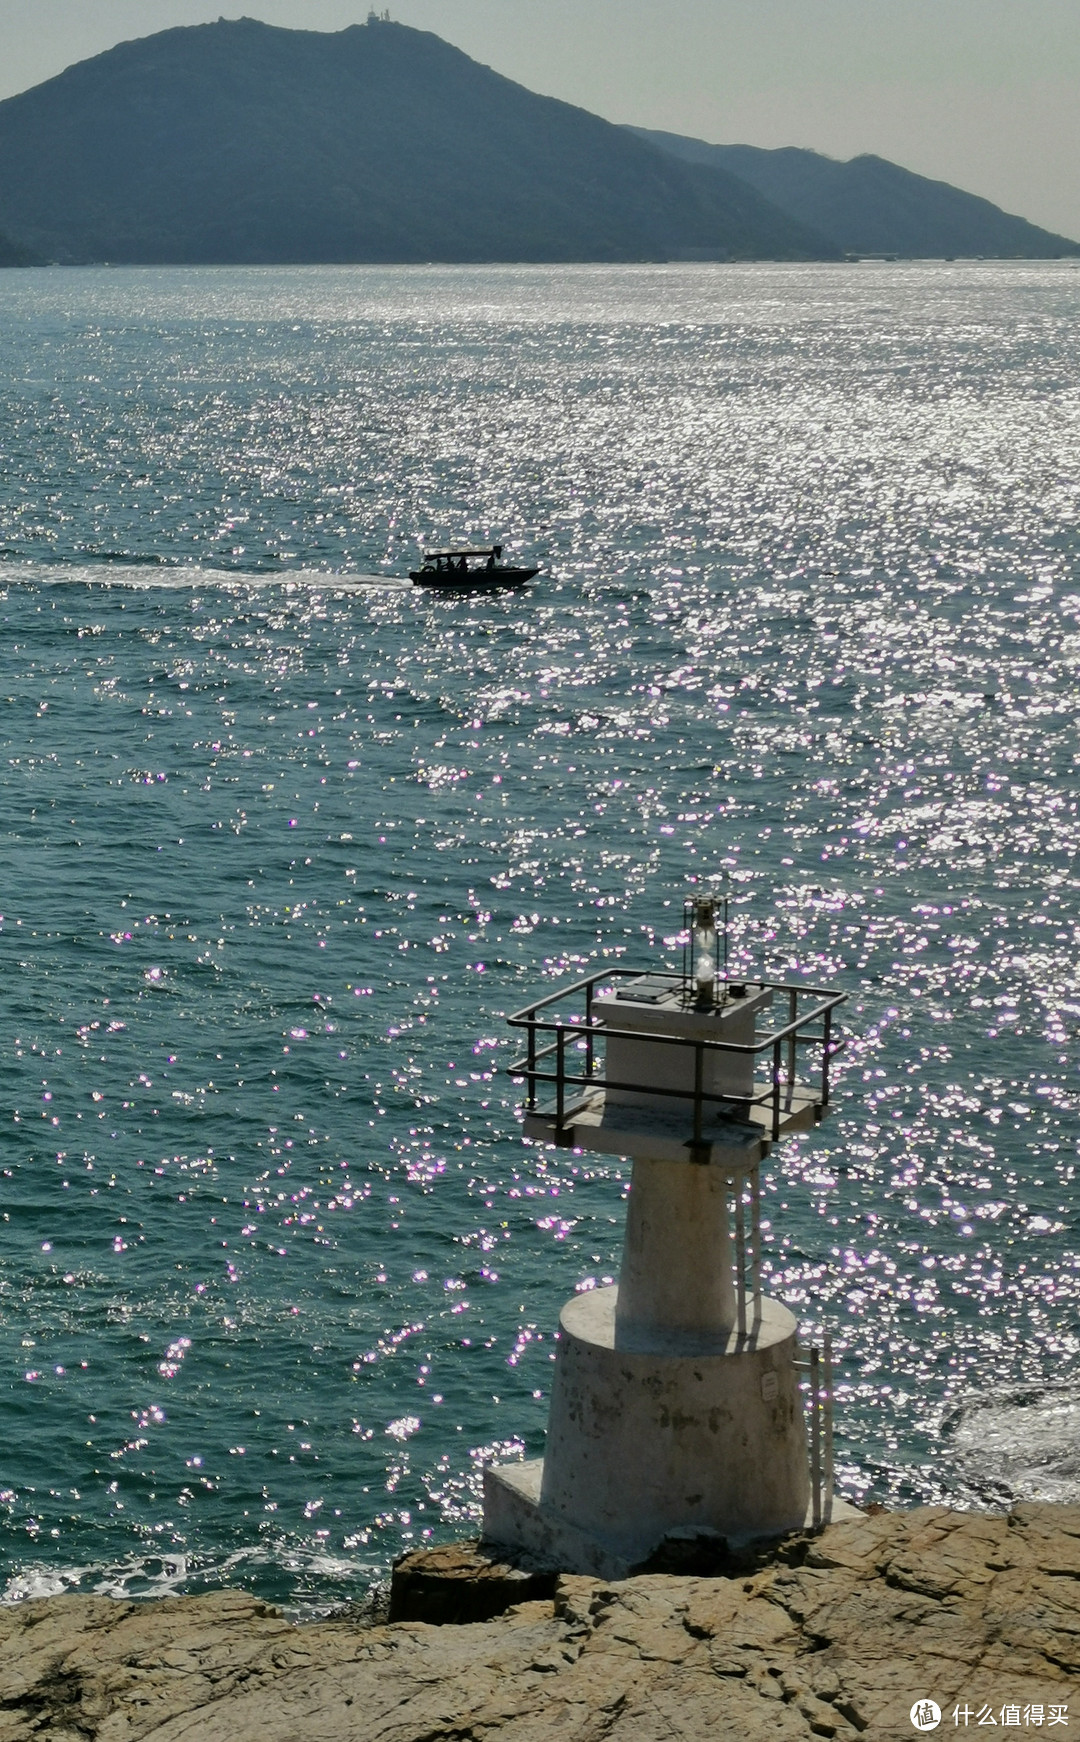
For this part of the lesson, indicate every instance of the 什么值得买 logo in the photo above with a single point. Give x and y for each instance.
(926, 1714)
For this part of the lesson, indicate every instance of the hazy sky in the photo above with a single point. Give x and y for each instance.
(983, 93)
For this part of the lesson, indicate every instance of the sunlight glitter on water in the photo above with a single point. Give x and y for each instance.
(277, 1273)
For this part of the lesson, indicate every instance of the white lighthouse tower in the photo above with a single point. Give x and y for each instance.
(676, 1406)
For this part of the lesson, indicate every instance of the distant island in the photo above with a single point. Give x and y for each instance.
(241, 143)
(869, 206)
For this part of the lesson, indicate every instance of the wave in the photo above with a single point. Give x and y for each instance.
(1020, 1443)
(305, 1582)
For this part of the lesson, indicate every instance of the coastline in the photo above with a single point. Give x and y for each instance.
(832, 1635)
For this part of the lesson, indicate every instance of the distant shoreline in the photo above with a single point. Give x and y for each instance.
(537, 265)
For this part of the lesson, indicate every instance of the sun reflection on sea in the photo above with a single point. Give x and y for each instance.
(286, 840)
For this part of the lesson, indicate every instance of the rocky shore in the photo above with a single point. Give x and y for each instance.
(834, 1635)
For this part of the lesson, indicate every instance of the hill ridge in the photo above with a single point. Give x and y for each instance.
(869, 205)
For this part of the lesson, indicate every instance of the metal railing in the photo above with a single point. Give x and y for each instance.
(585, 1032)
(819, 1407)
(742, 1186)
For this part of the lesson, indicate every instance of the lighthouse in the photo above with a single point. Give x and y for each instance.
(677, 1404)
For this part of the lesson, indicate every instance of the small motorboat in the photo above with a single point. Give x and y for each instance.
(469, 571)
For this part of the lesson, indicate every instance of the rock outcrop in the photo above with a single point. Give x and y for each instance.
(837, 1635)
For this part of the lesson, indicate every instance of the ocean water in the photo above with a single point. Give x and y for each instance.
(283, 839)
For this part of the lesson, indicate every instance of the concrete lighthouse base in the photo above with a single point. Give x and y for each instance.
(691, 1434)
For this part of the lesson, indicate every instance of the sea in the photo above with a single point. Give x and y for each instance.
(284, 839)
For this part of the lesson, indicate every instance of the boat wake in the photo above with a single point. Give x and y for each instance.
(145, 577)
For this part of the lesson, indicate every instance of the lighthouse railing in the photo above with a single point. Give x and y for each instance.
(818, 1384)
(545, 1061)
(747, 1293)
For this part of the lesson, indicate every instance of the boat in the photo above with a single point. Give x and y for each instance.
(469, 571)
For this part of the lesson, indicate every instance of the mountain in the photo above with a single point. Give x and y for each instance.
(870, 206)
(240, 142)
(12, 255)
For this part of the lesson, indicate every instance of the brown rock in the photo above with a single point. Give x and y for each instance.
(960, 1608)
(459, 1583)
